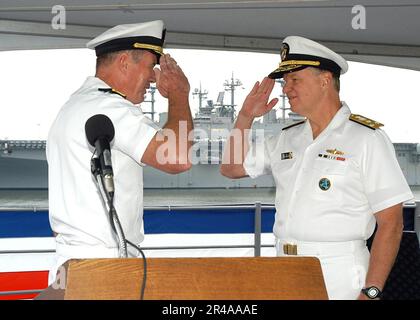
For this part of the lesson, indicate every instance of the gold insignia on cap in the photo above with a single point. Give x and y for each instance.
(284, 51)
(293, 64)
(365, 121)
(335, 151)
(157, 49)
(287, 68)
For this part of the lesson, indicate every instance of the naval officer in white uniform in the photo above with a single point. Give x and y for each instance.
(336, 173)
(126, 59)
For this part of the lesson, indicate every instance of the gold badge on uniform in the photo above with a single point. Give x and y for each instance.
(335, 152)
(286, 155)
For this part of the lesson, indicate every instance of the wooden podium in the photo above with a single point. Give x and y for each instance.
(262, 278)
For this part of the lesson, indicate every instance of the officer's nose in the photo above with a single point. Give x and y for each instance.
(152, 77)
(286, 87)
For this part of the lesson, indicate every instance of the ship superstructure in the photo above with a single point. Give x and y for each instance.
(23, 163)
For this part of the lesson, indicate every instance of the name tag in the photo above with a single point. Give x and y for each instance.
(286, 155)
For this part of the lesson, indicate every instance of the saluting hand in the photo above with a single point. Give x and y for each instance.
(256, 103)
(170, 79)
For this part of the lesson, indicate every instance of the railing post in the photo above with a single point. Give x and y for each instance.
(417, 220)
(257, 230)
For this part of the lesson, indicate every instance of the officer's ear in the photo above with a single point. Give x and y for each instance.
(326, 79)
(123, 62)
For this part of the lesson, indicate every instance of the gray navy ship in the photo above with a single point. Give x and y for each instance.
(23, 163)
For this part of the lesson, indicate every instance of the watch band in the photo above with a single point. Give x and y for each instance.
(372, 292)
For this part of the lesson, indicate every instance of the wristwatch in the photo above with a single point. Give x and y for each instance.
(372, 292)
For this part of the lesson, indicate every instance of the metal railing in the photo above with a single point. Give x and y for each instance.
(20, 292)
(258, 207)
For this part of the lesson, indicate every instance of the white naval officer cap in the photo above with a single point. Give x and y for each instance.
(145, 36)
(298, 53)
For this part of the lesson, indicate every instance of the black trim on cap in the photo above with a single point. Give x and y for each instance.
(127, 44)
(163, 36)
(326, 64)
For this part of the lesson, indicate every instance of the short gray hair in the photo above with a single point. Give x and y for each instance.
(335, 77)
(108, 58)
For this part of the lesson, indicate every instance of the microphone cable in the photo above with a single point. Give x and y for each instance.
(143, 286)
(108, 197)
(96, 173)
(116, 226)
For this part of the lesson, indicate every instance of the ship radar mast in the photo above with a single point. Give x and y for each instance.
(231, 86)
(202, 95)
(152, 100)
(203, 111)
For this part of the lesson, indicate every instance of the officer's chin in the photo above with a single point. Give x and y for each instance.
(293, 107)
(139, 100)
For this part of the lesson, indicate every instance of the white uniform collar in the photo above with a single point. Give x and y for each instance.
(339, 118)
(93, 81)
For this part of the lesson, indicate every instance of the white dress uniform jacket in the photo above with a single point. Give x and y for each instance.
(77, 213)
(328, 188)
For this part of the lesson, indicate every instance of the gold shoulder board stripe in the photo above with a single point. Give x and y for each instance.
(372, 124)
(294, 124)
(111, 90)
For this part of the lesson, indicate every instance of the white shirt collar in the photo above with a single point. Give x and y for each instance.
(339, 118)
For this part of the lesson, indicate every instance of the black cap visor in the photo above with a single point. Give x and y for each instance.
(281, 71)
(296, 62)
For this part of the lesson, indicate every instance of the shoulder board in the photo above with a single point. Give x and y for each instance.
(111, 90)
(294, 124)
(372, 124)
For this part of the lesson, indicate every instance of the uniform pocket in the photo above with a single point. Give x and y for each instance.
(330, 167)
(282, 170)
(329, 179)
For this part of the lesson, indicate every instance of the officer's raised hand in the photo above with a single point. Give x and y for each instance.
(170, 79)
(256, 103)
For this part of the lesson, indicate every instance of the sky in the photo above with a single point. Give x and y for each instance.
(36, 83)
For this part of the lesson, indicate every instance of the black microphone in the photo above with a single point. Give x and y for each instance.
(99, 133)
